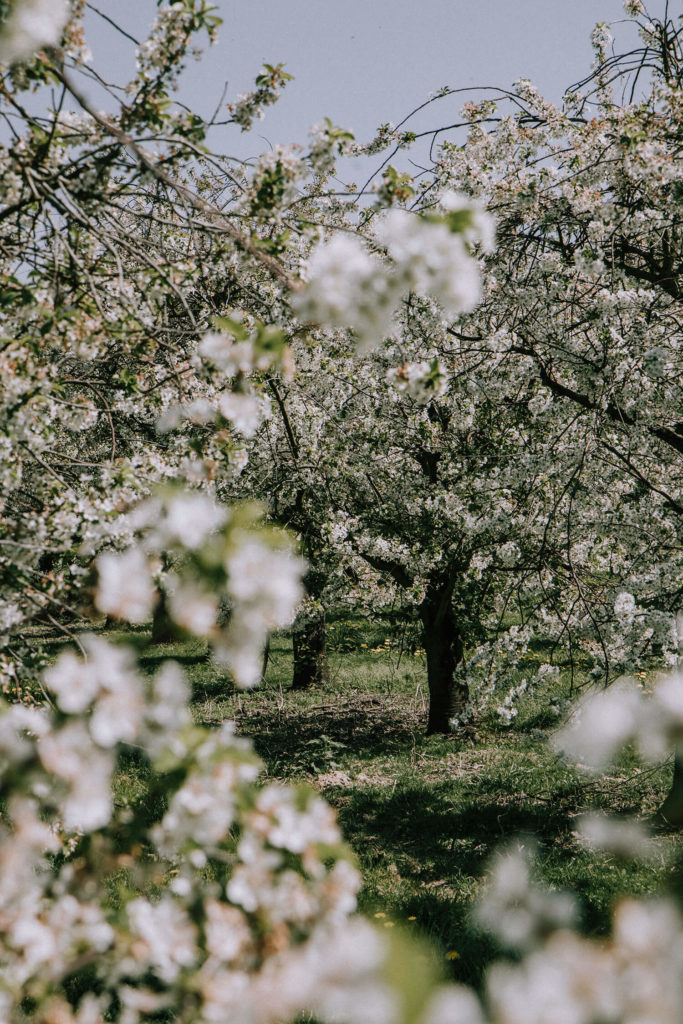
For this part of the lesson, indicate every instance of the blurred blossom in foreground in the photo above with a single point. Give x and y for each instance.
(347, 287)
(421, 381)
(223, 560)
(602, 723)
(125, 588)
(516, 910)
(31, 25)
(622, 837)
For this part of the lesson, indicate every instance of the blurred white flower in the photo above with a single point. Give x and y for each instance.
(451, 1005)
(601, 723)
(431, 260)
(623, 837)
(245, 412)
(105, 679)
(73, 682)
(422, 381)
(568, 981)
(347, 287)
(167, 711)
(479, 227)
(169, 938)
(31, 25)
(227, 355)
(515, 909)
(281, 819)
(70, 754)
(266, 580)
(190, 518)
(227, 931)
(192, 606)
(125, 588)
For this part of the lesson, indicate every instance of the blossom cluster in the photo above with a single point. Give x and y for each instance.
(162, 53)
(250, 106)
(229, 360)
(421, 381)
(327, 142)
(603, 722)
(254, 886)
(220, 560)
(31, 25)
(347, 286)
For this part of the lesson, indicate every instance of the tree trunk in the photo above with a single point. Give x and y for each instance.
(671, 811)
(266, 658)
(163, 628)
(309, 646)
(444, 650)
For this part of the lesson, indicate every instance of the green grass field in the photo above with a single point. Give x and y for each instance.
(424, 815)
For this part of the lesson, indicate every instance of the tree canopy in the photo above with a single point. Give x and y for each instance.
(457, 393)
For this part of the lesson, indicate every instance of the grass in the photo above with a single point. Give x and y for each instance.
(424, 815)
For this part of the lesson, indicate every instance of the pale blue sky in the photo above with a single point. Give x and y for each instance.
(368, 61)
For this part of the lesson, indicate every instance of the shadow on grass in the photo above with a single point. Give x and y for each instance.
(424, 849)
(367, 727)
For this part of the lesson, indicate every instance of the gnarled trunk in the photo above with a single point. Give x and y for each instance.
(671, 811)
(309, 645)
(444, 650)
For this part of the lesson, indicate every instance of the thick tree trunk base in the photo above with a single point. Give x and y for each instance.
(309, 647)
(670, 814)
(163, 627)
(444, 707)
(444, 650)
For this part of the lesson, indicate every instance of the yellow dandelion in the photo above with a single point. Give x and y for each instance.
(380, 913)
(412, 918)
(452, 954)
(388, 924)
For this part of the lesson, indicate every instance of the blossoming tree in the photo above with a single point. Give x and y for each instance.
(215, 899)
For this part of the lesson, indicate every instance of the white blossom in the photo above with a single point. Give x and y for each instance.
(31, 25)
(71, 755)
(347, 287)
(245, 412)
(125, 588)
(192, 606)
(423, 381)
(265, 580)
(623, 837)
(432, 260)
(167, 933)
(516, 910)
(189, 519)
(600, 725)
(227, 355)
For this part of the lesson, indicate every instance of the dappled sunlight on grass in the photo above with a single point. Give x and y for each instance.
(424, 814)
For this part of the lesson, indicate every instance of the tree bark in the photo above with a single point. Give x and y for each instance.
(444, 650)
(309, 645)
(671, 811)
(163, 628)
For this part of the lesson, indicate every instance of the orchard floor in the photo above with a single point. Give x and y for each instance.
(425, 815)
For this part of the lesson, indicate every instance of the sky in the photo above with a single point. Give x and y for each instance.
(365, 62)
